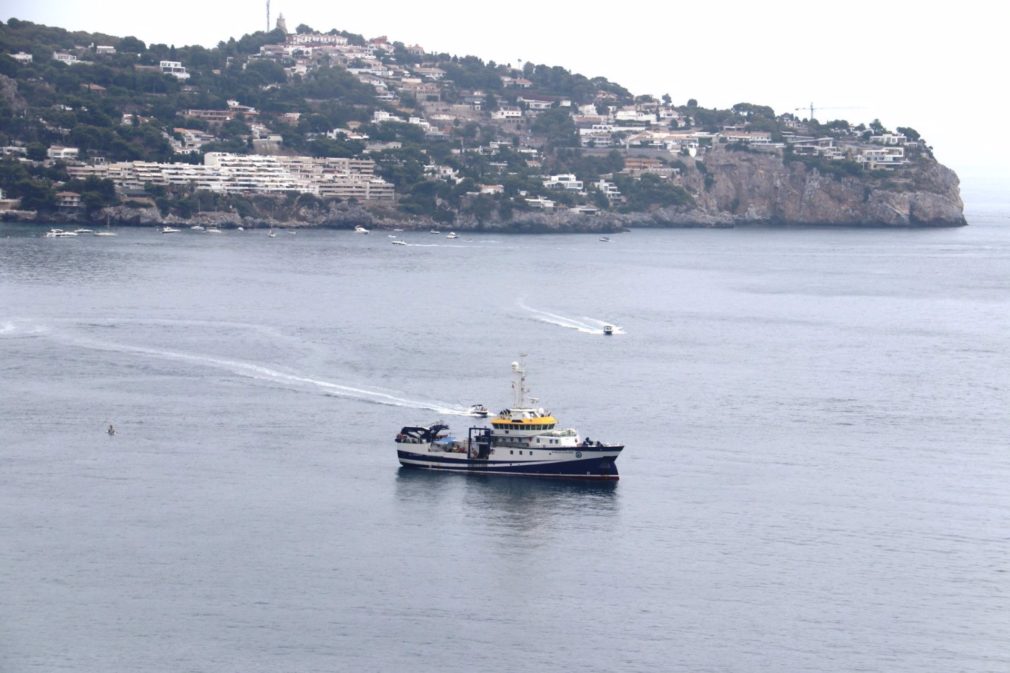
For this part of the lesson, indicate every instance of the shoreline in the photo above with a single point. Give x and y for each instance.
(531, 223)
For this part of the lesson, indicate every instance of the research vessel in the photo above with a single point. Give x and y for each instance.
(523, 440)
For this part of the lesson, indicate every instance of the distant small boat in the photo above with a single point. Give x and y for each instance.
(272, 234)
(435, 231)
(105, 233)
(451, 234)
(397, 241)
(59, 233)
(390, 235)
(213, 230)
(358, 229)
(240, 228)
(397, 229)
(197, 227)
(608, 330)
(170, 230)
(604, 239)
(478, 410)
(84, 231)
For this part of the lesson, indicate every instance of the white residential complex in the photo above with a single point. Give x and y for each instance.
(564, 181)
(174, 68)
(251, 174)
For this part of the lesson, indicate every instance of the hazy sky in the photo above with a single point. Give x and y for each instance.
(937, 67)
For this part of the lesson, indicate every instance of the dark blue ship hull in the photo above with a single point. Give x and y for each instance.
(587, 466)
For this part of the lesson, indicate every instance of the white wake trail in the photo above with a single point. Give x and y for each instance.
(19, 327)
(584, 325)
(263, 373)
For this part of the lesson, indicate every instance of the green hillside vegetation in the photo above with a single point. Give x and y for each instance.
(119, 107)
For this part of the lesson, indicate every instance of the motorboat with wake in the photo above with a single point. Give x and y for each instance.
(60, 233)
(523, 440)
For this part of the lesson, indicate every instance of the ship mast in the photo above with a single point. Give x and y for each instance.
(519, 389)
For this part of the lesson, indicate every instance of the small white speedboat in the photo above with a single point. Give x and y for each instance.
(358, 229)
(451, 234)
(272, 234)
(397, 241)
(60, 233)
(478, 410)
(608, 330)
(604, 239)
(170, 230)
(213, 230)
(105, 233)
(197, 227)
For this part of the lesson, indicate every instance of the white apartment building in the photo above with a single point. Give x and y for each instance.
(316, 38)
(564, 181)
(889, 139)
(59, 153)
(598, 135)
(633, 116)
(748, 137)
(22, 57)
(609, 189)
(883, 158)
(380, 116)
(537, 104)
(174, 68)
(540, 202)
(252, 174)
(507, 112)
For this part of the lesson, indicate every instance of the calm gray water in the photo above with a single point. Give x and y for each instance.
(815, 480)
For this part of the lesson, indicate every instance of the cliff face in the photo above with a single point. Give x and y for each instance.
(730, 188)
(751, 188)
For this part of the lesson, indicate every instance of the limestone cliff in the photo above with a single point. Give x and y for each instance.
(752, 187)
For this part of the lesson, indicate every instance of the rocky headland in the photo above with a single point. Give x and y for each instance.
(735, 188)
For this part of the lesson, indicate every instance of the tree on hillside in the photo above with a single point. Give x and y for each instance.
(559, 128)
(909, 133)
(131, 45)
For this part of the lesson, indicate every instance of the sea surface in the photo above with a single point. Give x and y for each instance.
(816, 478)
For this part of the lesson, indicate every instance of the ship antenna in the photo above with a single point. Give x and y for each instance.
(519, 385)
